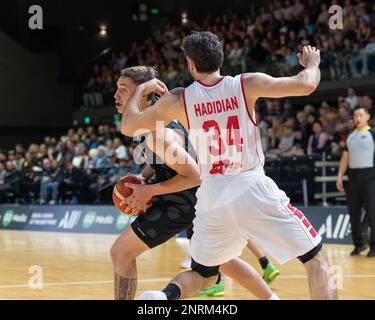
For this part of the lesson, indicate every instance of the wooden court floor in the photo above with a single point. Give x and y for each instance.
(78, 266)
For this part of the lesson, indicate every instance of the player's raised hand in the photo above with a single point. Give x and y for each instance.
(153, 86)
(309, 57)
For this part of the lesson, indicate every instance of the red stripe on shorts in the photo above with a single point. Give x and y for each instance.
(299, 214)
(291, 208)
(313, 232)
(306, 223)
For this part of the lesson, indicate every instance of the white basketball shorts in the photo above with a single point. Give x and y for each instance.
(230, 210)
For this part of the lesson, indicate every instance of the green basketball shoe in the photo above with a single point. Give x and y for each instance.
(217, 290)
(270, 273)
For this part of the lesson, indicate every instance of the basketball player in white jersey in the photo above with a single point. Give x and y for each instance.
(235, 201)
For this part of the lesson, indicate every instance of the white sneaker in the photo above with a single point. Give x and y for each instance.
(184, 243)
(152, 295)
(186, 264)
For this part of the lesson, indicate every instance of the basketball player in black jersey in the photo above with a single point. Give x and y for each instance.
(173, 188)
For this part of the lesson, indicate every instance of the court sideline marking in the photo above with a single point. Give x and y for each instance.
(51, 284)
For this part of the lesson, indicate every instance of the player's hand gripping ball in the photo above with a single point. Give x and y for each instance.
(121, 192)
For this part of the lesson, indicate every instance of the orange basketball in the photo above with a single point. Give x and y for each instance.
(120, 192)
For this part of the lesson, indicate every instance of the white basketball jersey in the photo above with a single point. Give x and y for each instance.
(222, 131)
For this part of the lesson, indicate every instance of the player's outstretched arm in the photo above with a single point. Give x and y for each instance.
(135, 122)
(259, 85)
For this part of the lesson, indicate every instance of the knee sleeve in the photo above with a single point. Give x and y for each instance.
(311, 254)
(205, 272)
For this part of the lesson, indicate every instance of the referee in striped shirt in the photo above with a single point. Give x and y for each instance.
(359, 158)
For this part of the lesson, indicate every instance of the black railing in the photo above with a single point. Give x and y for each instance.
(305, 179)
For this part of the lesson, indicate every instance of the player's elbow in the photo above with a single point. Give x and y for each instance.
(308, 88)
(195, 178)
(127, 131)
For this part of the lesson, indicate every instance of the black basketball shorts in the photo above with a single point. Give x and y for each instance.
(169, 215)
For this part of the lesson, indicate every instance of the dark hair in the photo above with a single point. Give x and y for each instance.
(367, 110)
(318, 122)
(204, 49)
(139, 74)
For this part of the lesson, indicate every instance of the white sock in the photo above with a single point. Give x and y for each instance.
(274, 297)
(152, 295)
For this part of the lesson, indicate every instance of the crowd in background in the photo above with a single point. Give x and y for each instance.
(313, 130)
(80, 167)
(83, 165)
(266, 40)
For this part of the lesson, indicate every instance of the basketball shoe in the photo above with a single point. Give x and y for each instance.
(270, 273)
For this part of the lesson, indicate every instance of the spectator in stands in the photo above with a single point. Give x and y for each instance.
(272, 144)
(236, 58)
(3, 173)
(3, 188)
(329, 127)
(70, 150)
(286, 141)
(50, 182)
(18, 161)
(106, 180)
(344, 112)
(319, 141)
(298, 144)
(291, 60)
(19, 148)
(122, 61)
(11, 180)
(132, 167)
(104, 132)
(59, 154)
(288, 111)
(305, 128)
(101, 160)
(358, 55)
(12, 157)
(3, 156)
(352, 98)
(80, 159)
(10, 169)
(278, 128)
(368, 56)
(309, 109)
(30, 184)
(343, 54)
(351, 126)
(170, 76)
(92, 140)
(120, 149)
(70, 186)
(41, 154)
(339, 138)
(323, 113)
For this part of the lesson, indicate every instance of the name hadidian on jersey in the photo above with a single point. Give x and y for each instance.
(218, 106)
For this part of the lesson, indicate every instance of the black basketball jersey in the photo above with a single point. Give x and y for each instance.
(162, 171)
